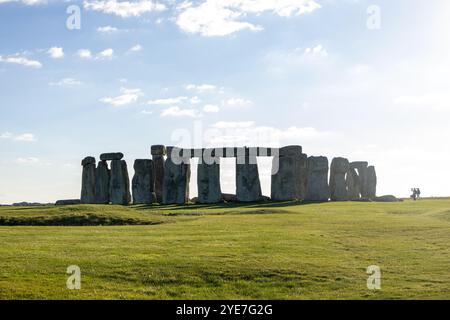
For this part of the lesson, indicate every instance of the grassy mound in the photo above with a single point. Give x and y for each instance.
(77, 215)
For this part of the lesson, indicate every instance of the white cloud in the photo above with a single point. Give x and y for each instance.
(201, 87)
(176, 111)
(221, 18)
(56, 52)
(195, 100)
(136, 48)
(237, 102)
(248, 133)
(102, 55)
(17, 59)
(124, 9)
(233, 125)
(106, 54)
(6, 135)
(28, 160)
(26, 137)
(317, 51)
(211, 108)
(26, 2)
(66, 82)
(167, 101)
(84, 53)
(425, 101)
(107, 29)
(127, 96)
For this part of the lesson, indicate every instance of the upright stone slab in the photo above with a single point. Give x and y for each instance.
(102, 179)
(353, 185)
(286, 181)
(303, 175)
(177, 173)
(120, 183)
(338, 185)
(158, 152)
(317, 185)
(208, 182)
(143, 184)
(371, 183)
(88, 180)
(361, 167)
(248, 186)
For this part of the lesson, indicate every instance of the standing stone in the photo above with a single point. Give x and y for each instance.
(303, 175)
(177, 173)
(286, 184)
(371, 183)
(208, 182)
(88, 180)
(102, 179)
(143, 182)
(317, 185)
(158, 153)
(338, 185)
(353, 185)
(248, 186)
(361, 167)
(120, 183)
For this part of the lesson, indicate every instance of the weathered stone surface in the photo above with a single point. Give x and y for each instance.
(303, 175)
(387, 198)
(361, 167)
(338, 185)
(248, 186)
(88, 160)
(229, 197)
(102, 179)
(176, 183)
(111, 156)
(208, 182)
(67, 202)
(353, 185)
(317, 185)
(88, 180)
(290, 151)
(371, 183)
(286, 183)
(158, 150)
(143, 184)
(120, 183)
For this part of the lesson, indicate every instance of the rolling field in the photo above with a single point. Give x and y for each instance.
(259, 251)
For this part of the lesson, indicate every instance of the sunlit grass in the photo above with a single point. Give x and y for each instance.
(260, 251)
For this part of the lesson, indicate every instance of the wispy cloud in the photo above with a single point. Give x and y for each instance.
(135, 48)
(124, 9)
(128, 96)
(176, 111)
(26, 137)
(21, 60)
(66, 82)
(200, 87)
(220, 18)
(167, 101)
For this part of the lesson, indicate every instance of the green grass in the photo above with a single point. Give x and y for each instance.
(262, 251)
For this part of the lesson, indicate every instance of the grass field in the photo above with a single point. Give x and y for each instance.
(261, 251)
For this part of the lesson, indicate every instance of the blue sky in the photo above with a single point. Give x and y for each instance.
(212, 73)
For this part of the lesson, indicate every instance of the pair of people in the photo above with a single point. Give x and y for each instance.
(415, 193)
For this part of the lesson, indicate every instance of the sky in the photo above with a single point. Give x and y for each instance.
(364, 80)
